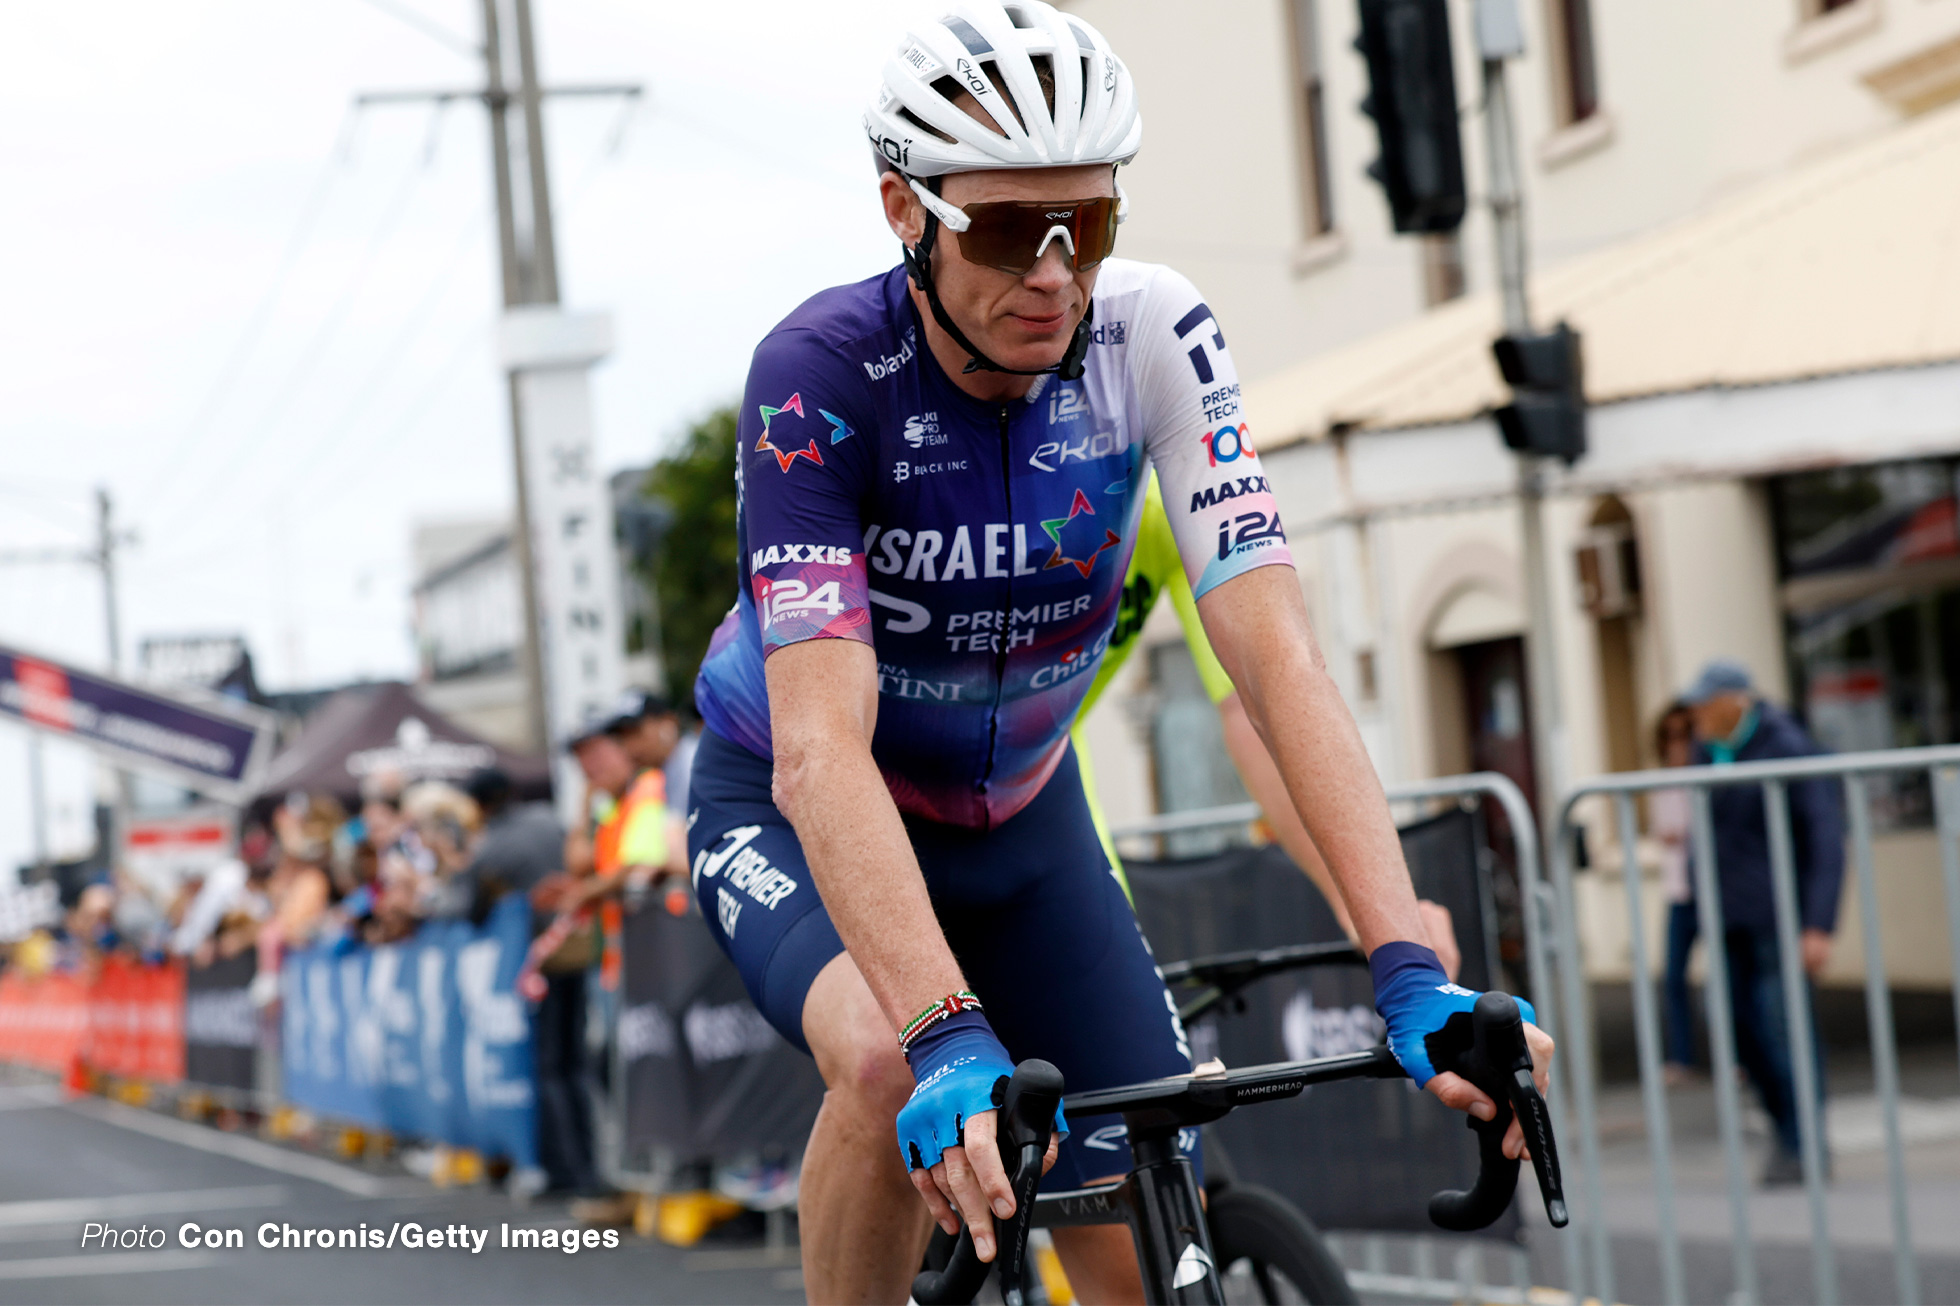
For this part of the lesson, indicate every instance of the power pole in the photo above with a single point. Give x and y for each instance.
(37, 797)
(106, 541)
(521, 286)
(1499, 37)
(102, 557)
(528, 266)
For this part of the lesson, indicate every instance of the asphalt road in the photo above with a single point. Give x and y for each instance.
(65, 1167)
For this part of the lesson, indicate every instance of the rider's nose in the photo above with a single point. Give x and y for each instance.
(1052, 271)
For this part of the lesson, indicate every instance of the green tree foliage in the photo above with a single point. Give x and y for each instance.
(694, 571)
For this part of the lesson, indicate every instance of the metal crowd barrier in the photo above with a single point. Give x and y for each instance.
(1576, 1059)
(1365, 1256)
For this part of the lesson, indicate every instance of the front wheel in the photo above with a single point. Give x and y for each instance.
(1266, 1251)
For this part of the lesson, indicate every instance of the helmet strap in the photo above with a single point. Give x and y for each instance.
(918, 266)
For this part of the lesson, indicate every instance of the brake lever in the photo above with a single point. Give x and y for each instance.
(1487, 1046)
(1028, 1103)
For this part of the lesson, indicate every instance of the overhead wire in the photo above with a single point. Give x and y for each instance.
(429, 27)
(314, 350)
(366, 393)
(315, 204)
(351, 456)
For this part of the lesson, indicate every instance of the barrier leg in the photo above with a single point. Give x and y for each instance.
(1721, 1046)
(1578, 1032)
(1946, 810)
(1541, 907)
(1803, 1047)
(1539, 903)
(1653, 1091)
(1885, 1052)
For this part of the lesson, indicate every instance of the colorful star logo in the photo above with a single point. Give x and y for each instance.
(794, 404)
(1080, 536)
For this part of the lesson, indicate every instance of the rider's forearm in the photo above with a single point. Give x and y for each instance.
(1258, 625)
(829, 787)
(1268, 788)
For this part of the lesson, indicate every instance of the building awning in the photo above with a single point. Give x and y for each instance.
(1847, 264)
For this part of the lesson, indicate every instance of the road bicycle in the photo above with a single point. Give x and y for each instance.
(1251, 1238)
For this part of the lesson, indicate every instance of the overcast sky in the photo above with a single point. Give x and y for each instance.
(264, 322)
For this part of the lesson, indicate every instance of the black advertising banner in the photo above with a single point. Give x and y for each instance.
(705, 1075)
(221, 1026)
(217, 747)
(1362, 1155)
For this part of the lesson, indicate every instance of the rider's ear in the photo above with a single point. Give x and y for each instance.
(903, 212)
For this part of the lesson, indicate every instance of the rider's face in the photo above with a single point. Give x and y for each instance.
(1024, 322)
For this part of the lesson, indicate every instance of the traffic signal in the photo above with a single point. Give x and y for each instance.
(1547, 376)
(1412, 98)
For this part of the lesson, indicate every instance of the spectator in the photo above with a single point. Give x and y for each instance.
(1670, 819)
(299, 890)
(680, 766)
(445, 822)
(522, 844)
(1734, 724)
(648, 729)
(631, 839)
(522, 851)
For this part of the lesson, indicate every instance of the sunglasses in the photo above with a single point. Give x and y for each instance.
(1012, 235)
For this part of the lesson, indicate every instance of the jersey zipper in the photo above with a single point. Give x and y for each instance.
(1000, 652)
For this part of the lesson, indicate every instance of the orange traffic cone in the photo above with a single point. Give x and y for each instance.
(76, 1083)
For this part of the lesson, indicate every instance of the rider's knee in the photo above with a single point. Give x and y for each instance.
(870, 1070)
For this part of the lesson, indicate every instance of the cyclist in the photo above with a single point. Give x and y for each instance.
(938, 484)
(1155, 570)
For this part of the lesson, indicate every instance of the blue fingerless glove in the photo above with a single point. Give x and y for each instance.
(955, 1065)
(1415, 997)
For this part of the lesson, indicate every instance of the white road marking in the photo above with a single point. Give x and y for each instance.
(92, 1263)
(249, 1150)
(69, 1210)
(29, 1097)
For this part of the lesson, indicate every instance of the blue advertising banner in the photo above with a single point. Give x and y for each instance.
(427, 1038)
(218, 748)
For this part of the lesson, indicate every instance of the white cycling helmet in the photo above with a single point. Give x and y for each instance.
(988, 49)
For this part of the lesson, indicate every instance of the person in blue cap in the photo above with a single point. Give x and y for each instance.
(1734, 723)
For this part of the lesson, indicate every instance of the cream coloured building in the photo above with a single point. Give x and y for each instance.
(1751, 209)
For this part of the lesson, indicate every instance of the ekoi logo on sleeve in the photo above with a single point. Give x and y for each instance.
(794, 404)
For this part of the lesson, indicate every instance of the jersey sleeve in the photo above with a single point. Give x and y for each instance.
(1220, 507)
(800, 462)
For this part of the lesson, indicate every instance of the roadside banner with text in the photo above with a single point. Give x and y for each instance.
(216, 746)
(426, 1038)
(705, 1075)
(127, 1019)
(221, 1023)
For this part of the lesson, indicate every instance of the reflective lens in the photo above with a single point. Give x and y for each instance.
(1012, 235)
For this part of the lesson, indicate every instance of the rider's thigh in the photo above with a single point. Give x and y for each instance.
(852, 1041)
(1101, 1263)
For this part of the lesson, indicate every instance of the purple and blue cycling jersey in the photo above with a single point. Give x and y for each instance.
(978, 547)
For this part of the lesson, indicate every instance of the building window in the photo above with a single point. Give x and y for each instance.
(1870, 565)
(1575, 71)
(1316, 185)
